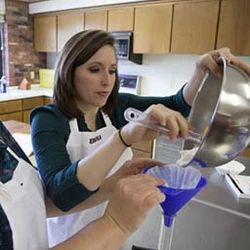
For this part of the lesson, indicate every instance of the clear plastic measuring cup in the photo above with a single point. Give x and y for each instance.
(141, 118)
(187, 156)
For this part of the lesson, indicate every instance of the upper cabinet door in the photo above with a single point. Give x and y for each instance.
(45, 33)
(153, 28)
(234, 26)
(121, 19)
(68, 25)
(96, 20)
(194, 27)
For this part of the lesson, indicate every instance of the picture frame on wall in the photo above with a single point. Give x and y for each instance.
(129, 84)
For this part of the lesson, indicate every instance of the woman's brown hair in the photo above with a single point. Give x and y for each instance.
(77, 51)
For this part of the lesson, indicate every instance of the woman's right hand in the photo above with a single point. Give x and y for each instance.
(133, 197)
(160, 115)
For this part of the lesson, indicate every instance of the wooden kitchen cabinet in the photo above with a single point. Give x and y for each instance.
(68, 24)
(28, 104)
(47, 100)
(121, 19)
(11, 110)
(96, 20)
(178, 26)
(19, 110)
(142, 149)
(45, 33)
(152, 28)
(234, 26)
(194, 27)
(10, 106)
(17, 116)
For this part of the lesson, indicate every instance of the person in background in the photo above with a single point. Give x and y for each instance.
(133, 197)
(83, 138)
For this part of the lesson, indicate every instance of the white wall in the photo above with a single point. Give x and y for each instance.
(55, 5)
(161, 75)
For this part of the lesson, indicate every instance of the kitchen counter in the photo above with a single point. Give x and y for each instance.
(212, 220)
(219, 195)
(13, 93)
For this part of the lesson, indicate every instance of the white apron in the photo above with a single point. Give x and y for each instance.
(80, 144)
(22, 199)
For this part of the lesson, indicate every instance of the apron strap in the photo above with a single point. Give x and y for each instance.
(13, 153)
(73, 125)
(106, 119)
(19, 158)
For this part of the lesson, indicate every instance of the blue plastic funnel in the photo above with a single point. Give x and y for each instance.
(176, 198)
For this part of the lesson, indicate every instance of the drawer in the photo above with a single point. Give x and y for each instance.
(17, 116)
(10, 106)
(30, 103)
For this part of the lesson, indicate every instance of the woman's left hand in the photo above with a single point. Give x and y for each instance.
(209, 61)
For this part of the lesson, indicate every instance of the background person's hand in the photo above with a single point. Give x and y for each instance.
(159, 115)
(129, 168)
(132, 199)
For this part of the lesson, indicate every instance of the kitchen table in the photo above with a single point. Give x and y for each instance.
(17, 127)
(21, 133)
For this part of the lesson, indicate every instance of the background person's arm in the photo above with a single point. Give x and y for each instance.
(129, 168)
(99, 235)
(133, 197)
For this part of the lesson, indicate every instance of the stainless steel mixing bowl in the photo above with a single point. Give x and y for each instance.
(222, 105)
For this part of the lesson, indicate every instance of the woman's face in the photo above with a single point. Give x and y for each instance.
(95, 79)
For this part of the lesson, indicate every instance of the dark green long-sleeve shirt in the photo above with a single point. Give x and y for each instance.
(50, 132)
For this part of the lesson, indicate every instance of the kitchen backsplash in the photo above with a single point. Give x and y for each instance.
(160, 75)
